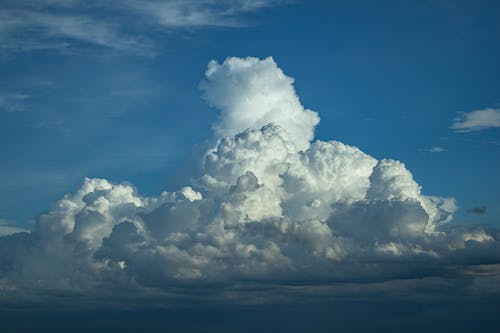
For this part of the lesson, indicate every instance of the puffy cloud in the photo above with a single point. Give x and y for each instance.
(268, 206)
(477, 120)
(252, 93)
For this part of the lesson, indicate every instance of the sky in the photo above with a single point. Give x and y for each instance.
(264, 157)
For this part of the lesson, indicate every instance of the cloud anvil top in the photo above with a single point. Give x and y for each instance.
(271, 206)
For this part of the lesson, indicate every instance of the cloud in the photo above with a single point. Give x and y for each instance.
(252, 93)
(477, 120)
(270, 207)
(9, 227)
(118, 25)
(194, 14)
(477, 210)
(24, 30)
(435, 150)
(12, 102)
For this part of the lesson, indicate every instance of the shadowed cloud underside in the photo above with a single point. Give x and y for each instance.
(270, 206)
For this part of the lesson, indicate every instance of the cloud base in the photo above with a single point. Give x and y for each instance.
(271, 208)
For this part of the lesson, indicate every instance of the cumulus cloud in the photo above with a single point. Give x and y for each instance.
(270, 206)
(251, 93)
(477, 120)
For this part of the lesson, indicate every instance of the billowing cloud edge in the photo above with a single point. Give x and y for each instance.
(271, 207)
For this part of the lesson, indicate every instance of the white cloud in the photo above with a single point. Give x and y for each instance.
(435, 150)
(192, 14)
(262, 210)
(29, 30)
(118, 25)
(477, 120)
(252, 93)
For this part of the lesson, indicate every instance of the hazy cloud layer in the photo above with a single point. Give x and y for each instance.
(477, 120)
(270, 206)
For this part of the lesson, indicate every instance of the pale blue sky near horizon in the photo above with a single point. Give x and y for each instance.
(122, 102)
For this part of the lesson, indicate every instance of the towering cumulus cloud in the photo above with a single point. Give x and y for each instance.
(251, 93)
(269, 206)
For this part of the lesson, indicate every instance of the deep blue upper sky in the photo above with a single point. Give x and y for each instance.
(123, 104)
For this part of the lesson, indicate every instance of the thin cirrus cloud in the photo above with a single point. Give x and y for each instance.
(186, 14)
(13, 101)
(59, 25)
(270, 207)
(26, 30)
(434, 150)
(477, 120)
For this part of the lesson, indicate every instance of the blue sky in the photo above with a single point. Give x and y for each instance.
(162, 167)
(388, 77)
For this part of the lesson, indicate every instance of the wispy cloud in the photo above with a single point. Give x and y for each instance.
(434, 150)
(477, 120)
(187, 14)
(119, 25)
(24, 30)
(12, 102)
